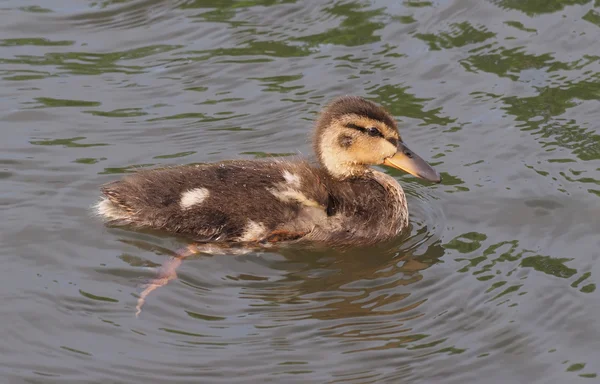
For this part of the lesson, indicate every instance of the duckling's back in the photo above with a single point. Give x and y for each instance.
(231, 201)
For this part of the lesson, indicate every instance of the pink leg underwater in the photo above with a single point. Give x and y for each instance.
(166, 273)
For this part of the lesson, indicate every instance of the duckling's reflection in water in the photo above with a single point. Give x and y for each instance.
(351, 263)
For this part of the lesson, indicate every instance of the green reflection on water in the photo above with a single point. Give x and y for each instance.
(268, 48)
(450, 180)
(510, 62)
(448, 350)
(23, 75)
(220, 101)
(428, 345)
(98, 298)
(253, 48)
(585, 180)
(407, 19)
(537, 7)
(541, 173)
(88, 160)
(460, 34)
(67, 143)
(519, 26)
(175, 155)
(402, 103)
(136, 261)
(576, 367)
(550, 265)
(594, 192)
(551, 101)
(86, 63)
(34, 41)
(355, 28)
(537, 112)
(107, 3)
(126, 169)
(183, 333)
(417, 4)
(509, 290)
(51, 102)
(275, 83)
(485, 265)
(125, 112)
(232, 4)
(593, 17)
(562, 161)
(204, 317)
(467, 242)
(224, 11)
(197, 89)
(200, 117)
(35, 9)
(75, 350)
(188, 115)
(581, 279)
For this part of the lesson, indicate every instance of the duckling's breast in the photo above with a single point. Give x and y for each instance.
(395, 207)
(366, 210)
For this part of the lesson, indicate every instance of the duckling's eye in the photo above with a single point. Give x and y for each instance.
(372, 131)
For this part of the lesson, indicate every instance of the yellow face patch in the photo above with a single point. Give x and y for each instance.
(353, 142)
(365, 140)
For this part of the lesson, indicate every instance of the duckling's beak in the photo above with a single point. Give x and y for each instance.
(410, 162)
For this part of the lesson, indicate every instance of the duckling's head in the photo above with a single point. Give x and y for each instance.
(353, 133)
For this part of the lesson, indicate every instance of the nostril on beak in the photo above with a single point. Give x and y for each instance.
(408, 154)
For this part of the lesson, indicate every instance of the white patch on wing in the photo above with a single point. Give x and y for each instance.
(193, 197)
(291, 179)
(110, 211)
(290, 190)
(294, 195)
(253, 231)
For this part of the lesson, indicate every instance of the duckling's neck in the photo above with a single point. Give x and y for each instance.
(342, 170)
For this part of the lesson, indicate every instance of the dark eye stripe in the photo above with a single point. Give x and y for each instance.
(364, 130)
(357, 127)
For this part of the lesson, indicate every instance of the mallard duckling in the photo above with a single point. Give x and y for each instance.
(339, 200)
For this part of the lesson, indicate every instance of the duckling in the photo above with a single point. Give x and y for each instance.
(338, 200)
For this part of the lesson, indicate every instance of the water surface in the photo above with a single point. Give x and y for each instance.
(496, 281)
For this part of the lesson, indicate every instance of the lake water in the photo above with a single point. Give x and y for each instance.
(495, 283)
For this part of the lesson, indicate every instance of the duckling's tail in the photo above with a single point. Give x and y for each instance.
(109, 211)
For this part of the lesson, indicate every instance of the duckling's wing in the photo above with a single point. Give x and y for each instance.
(230, 201)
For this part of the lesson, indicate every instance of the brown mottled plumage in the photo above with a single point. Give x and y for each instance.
(341, 200)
